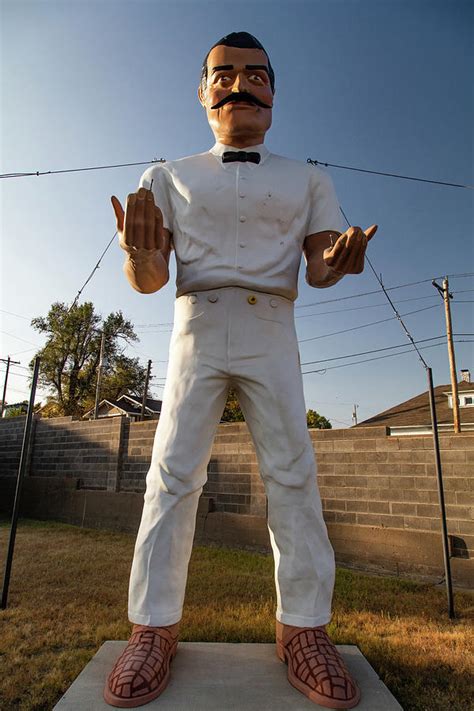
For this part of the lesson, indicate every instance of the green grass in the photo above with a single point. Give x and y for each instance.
(68, 594)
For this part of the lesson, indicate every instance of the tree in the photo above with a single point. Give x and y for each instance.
(70, 358)
(314, 420)
(232, 411)
(17, 409)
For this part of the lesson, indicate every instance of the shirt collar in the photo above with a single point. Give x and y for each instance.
(220, 148)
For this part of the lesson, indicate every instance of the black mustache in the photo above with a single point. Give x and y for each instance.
(241, 96)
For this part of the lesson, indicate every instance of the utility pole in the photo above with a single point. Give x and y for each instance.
(354, 414)
(99, 376)
(444, 291)
(8, 361)
(145, 392)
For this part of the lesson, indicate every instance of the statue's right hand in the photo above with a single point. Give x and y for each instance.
(141, 225)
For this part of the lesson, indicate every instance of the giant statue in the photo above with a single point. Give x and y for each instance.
(238, 219)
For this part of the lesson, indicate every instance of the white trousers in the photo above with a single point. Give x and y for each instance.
(221, 338)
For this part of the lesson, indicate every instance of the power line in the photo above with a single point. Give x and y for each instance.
(367, 360)
(391, 175)
(10, 313)
(12, 335)
(367, 306)
(387, 288)
(366, 325)
(376, 350)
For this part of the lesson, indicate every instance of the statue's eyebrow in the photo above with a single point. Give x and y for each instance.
(228, 67)
(222, 67)
(257, 66)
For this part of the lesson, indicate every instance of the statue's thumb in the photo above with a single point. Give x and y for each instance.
(370, 231)
(119, 213)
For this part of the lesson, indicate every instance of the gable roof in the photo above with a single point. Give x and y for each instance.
(416, 411)
(129, 405)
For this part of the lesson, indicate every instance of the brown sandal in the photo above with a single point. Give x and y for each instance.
(315, 667)
(142, 671)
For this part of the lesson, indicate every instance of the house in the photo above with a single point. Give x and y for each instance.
(20, 407)
(414, 416)
(128, 405)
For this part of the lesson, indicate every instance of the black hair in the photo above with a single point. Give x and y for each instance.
(242, 40)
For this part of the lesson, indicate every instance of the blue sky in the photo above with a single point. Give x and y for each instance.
(382, 85)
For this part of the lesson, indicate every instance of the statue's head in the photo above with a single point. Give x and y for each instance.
(237, 88)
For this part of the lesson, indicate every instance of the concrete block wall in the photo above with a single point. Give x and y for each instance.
(137, 445)
(86, 451)
(11, 438)
(234, 481)
(379, 493)
(370, 479)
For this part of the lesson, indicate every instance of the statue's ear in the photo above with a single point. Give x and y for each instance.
(201, 96)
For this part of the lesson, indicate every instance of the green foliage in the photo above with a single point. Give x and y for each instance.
(316, 421)
(70, 358)
(232, 411)
(16, 411)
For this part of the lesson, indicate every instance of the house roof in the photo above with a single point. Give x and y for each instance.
(150, 403)
(130, 405)
(416, 411)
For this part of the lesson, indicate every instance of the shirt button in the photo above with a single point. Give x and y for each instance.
(273, 303)
(242, 244)
(242, 218)
(192, 299)
(213, 298)
(242, 195)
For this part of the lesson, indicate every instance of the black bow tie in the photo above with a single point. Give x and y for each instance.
(243, 156)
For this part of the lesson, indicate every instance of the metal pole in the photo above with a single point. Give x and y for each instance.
(19, 481)
(9, 361)
(145, 392)
(354, 414)
(5, 387)
(439, 474)
(99, 376)
(452, 361)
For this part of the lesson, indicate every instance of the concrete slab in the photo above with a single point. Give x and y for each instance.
(208, 676)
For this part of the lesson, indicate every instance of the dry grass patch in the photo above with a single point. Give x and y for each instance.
(68, 595)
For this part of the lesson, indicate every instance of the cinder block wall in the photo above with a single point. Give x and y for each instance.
(87, 451)
(368, 481)
(369, 478)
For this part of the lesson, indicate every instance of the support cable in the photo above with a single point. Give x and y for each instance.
(390, 175)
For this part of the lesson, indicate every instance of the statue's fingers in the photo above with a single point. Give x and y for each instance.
(130, 235)
(370, 231)
(149, 221)
(159, 238)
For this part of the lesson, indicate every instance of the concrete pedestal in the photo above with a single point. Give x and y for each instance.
(211, 676)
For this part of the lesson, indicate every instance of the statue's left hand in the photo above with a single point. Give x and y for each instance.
(347, 255)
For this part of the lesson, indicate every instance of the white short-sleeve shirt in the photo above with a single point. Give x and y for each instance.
(241, 224)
